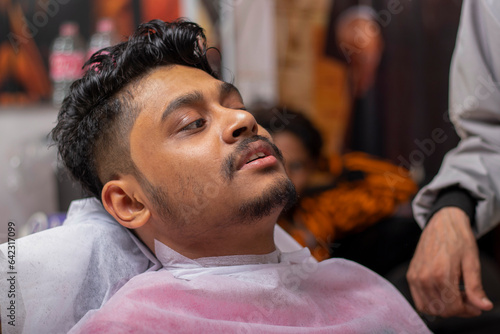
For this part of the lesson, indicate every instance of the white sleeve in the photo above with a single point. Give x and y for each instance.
(474, 164)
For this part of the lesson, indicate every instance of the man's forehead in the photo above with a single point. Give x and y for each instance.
(168, 83)
(173, 78)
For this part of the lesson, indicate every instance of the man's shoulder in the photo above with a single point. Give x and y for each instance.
(86, 222)
(89, 237)
(66, 271)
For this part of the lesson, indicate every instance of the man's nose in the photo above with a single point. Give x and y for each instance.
(240, 124)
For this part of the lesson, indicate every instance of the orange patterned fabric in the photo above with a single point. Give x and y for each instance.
(352, 205)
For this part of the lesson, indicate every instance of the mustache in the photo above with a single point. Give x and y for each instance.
(229, 164)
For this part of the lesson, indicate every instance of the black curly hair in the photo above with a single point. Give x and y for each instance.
(96, 117)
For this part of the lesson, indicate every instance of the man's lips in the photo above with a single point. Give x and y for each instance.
(243, 154)
(258, 154)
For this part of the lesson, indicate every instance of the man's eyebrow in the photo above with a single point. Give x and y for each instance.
(227, 88)
(182, 101)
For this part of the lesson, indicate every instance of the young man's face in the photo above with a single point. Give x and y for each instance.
(198, 149)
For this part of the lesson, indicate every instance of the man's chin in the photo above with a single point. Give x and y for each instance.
(278, 196)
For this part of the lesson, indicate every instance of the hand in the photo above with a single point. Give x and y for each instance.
(446, 253)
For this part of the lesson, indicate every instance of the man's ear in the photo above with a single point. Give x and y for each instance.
(123, 201)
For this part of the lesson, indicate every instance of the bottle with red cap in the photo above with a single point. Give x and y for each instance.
(103, 37)
(66, 60)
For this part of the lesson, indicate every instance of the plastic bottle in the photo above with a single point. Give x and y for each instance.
(103, 37)
(66, 60)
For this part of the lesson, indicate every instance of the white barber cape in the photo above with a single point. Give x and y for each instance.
(272, 293)
(64, 272)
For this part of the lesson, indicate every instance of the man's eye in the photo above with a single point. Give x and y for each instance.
(194, 125)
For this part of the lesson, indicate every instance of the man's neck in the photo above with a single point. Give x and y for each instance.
(255, 238)
(229, 244)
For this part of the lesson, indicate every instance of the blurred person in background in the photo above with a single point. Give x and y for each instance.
(398, 55)
(447, 274)
(408, 99)
(348, 206)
